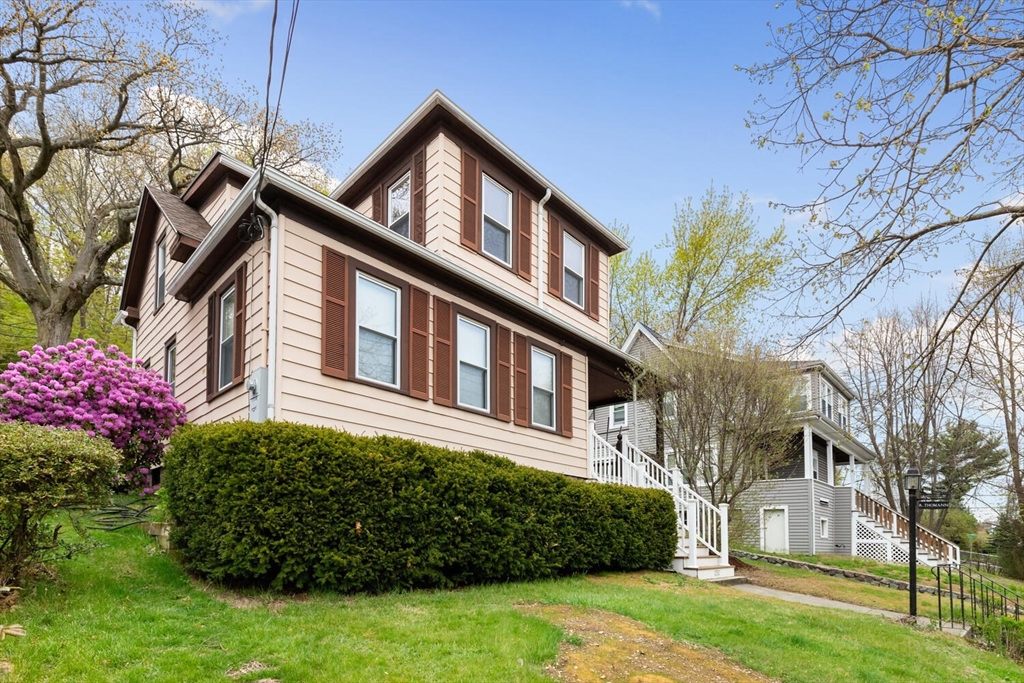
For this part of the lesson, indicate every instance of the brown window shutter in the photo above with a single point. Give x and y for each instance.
(378, 204)
(554, 256)
(419, 174)
(211, 347)
(334, 328)
(522, 381)
(566, 398)
(524, 243)
(419, 338)
(470, 201)
(443, 371)
(503, 381)
(593, 282)
(238, 359)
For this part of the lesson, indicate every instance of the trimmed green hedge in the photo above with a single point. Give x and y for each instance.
(295, 507)
(42, 470)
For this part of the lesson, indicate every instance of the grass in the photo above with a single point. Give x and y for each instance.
(126, 613)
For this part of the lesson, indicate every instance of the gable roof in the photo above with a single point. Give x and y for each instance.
(438, 108)
(833, 377)
(183, 218)
(639, 329)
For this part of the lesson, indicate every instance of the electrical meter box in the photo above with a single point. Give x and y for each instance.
(258, 395)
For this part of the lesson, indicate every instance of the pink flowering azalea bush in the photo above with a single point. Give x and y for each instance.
(82, 387)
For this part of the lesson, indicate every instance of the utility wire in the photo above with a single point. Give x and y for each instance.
(270, 126)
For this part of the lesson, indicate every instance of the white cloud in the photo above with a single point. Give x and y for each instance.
(226, 10)
(649, 6)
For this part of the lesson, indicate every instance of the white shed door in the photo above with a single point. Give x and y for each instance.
(775, 531)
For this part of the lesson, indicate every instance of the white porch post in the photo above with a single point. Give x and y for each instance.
(590, 449)
(691, 530)
(808, 453)
(724, 550)
(831, 463)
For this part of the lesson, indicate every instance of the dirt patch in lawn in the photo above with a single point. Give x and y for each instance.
(603, 647)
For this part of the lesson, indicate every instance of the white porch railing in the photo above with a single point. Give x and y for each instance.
(699, 522)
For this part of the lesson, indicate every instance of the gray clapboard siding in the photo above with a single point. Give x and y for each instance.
(843, 520)
(794, 494)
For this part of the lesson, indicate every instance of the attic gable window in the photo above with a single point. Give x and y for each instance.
(574, 257)
(497, 212)
(398, 205)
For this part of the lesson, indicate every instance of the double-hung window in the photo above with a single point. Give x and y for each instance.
(161, 272)
(398, 205)
(826, 399)
(473, 343)
(226, 339)
(617, 417)
(572, 271)
(542, 382)
(170, 363)
(378, 307)
(497, 237)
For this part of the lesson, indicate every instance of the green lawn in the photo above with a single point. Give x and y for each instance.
(126, 613)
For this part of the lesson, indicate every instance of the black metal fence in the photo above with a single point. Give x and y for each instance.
(967, 598)
(983, 561)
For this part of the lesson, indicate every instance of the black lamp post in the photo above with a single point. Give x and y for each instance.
(912, 482)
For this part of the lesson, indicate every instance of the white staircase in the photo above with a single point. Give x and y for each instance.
(703, 548)
(882, 534)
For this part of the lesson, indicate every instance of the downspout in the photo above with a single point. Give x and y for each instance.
(271, 306)
(540, 247)
(122, 319)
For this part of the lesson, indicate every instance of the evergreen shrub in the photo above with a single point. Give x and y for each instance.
(297, 507)
(42, 470)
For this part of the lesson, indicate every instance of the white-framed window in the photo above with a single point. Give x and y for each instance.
(398, 205)
(669, 406)
(814, 464)
(823, 527)
(170, 363)
(161, 272)
(844, 412)
(542, 382)
(825, 389)
(618, 416)
(474, 344)
(497, 230)
(573, 258)
(226, 339)
(378, 306)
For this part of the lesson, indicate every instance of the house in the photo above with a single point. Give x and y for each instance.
(817, 501)
(445, 292)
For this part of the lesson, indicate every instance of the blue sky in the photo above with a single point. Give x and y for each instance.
(628, 107)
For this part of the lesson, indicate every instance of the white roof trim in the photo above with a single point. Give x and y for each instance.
(438, 98)
(638, 329)
(274, 177)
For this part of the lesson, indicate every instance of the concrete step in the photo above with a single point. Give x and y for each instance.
(729, 580)
(703, 573)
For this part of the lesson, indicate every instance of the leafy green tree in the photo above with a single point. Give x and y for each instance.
(96, 100)
(957, 524)
(718, 263)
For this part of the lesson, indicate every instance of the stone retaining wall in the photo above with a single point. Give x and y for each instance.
(836, 571)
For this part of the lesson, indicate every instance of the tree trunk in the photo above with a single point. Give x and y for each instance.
(53, 324)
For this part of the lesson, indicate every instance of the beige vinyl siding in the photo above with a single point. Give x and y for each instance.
(568, 311)
(188, 325)
(365, 207)
(306, 395)
(216, 204)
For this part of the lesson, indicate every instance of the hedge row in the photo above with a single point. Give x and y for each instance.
(295, 507)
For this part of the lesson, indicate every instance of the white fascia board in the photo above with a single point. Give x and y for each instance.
(438, 98)
(637, 330)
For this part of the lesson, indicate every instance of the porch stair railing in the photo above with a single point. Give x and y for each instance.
(935, 546)
(699, 523)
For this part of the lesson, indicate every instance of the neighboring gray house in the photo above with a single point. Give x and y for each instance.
(813, 504)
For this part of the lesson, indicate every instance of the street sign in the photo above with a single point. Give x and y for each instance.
(932, 504)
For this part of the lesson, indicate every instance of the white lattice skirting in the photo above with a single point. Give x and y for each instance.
(873, 545)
